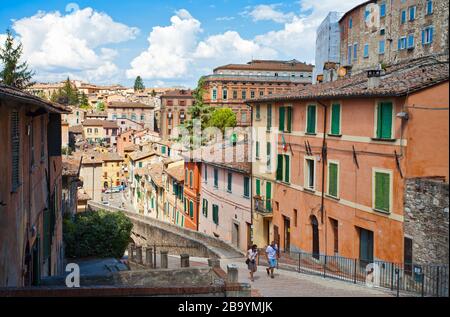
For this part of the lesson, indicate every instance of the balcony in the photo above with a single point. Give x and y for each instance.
(263, 206)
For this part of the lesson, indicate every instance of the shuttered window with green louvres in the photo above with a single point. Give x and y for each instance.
(384, 120)
(382, 191)
(281, 118)
(268, 196)
(311, 119)
(333, 179)
(205, 208)
(285, 119)
(216, 214)
(336, 119)
(280, 167)
(191, 209)
(289, 119)
(246, 186)
(286, 169)
(258, 187)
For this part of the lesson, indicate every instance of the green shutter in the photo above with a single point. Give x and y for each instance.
(230, 178)
(257, 149)
(269, 116)
(269, 196)
(335, 119)
(191, 209)
(280, 167)
(286, 171)
(332, 179)
(382, 191)
(216, 214)
(185, 205)
(258, 187)
(281, 119)
(386, 119)
(311, 122)
(163, 149)
(246, 186)
(289, 119)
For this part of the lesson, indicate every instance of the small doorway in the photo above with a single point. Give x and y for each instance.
(408, 255)
(365, 246)
(335, 229)
(315, 237)
(235, 234)
(287, 234)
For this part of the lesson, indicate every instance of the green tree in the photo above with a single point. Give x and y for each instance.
(138, 84)
(223, 118)
(14, 73)
(97, 234)
(199, 111)
(84, 102)
(153, 94)
(100, 106)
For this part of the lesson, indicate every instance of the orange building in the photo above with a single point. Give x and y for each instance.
(230, 85)
(192, 193)
(345, 150)
(174, 110)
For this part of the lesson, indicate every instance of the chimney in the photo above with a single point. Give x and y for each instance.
(373, 78)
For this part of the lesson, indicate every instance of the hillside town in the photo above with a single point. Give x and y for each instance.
(343, 160)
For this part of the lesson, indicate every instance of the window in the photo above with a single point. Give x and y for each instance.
(269, 117)
(163, 149)
(295, 217)
(261, 93)
(258, 112)
(285, 119)
(283, 168)
(140, 164)
(381, 47)
(384, 120)
(96, 130)
(191, 178)
(114, 116)
(216, 214)
(429, 9)
(333, 179)
(15, 149)
(366, 50)
(427, 35)
(244, 116)
(258, 187)
(235, 94)
(214, 94)
(142, 117)
(252, 94)
(383, 9)
(382, 32)
(269, 156)
(403, 16)
(186, 175)
(335, 119)
(412, 13)
(216, 178)
(205, 208)
(246, 186)
(355, 51)
(402, 43)
(310, 174)
(257, 149)
(206, 174)
(311, 119)
(89, 130)
(191, 209)
(244, 94)
(224, 94)
(350, 23)
(124, 116)
(410, 44)
(133, 116)
(382, 190)
(229, 182)
(349, 54)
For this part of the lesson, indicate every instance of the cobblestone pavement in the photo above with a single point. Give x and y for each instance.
(293, 284)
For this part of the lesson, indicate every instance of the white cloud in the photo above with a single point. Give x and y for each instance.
(71, 43)
(265, 12)
(225, 18)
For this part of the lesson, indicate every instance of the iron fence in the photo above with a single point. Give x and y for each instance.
(418, 280)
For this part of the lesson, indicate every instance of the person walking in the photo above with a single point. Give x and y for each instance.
(271, 256)
(252, 255)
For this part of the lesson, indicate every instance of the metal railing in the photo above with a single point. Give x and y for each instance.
(418, 280)
(263, 205)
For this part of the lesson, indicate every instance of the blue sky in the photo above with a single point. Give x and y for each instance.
(166, 42)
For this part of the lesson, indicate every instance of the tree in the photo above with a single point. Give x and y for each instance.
(100, 106)
(138, 84)
(68, 94)
(223, 118)
(97, 234)
(199, 111)
(84, 102)
(14, 73)
(153, 93)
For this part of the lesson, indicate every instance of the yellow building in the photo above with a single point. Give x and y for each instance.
(112, 173)
(93, 130)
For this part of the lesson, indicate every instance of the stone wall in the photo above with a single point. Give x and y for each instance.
(427, 220)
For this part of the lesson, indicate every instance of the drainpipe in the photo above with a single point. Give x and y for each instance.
(324, 160)
(251, 173)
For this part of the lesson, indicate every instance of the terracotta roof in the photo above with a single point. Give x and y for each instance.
(127, 104)
(92, 158)
(176, 172)
(76, 129)
(97, 114)
(140, 171)
(110, 124)
(70, 165)
(17, 94)
(184, 93)
(269, 65)
(93, 122)
(131, 148)
(138, 155)
(155, 172)
(111, 156)
(398, 80)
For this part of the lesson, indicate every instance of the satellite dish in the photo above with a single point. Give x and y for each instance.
(342, 71)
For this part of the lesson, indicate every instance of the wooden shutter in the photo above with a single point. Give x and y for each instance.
(258, 187)
(216, 214)
(384, 120)
(382, 191)
(269, 116)
(280, 167)
(191, 209)
(230, 179)
(335, 119)
(216, 177)
(311, 128)
(289, 119)
(286, 169)
(269, 196)
(281, 119)
(332, 179)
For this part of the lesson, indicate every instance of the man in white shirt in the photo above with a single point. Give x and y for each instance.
(271, 255)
